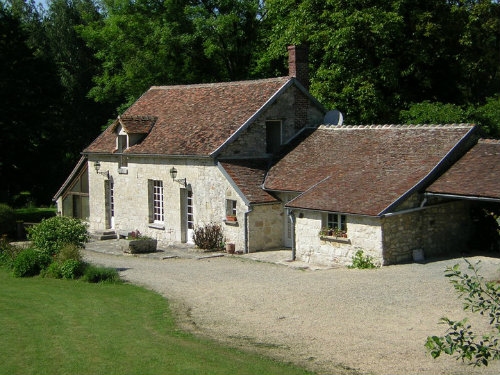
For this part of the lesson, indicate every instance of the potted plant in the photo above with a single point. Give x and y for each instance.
(230, 248)
(231, 218)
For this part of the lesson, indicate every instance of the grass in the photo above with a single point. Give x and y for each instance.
(56, 327)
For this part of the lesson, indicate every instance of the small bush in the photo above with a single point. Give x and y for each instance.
(30, 262)
(8, 253)
(71, 269)
(52, 234)
(53, 271)
(209, 237)
(69, 251)
(7, 219)
(94, 274)
(362, 262)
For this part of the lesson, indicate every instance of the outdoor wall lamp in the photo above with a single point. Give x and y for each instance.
(97, 166)
(173, 174)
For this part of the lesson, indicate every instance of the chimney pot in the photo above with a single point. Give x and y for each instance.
(298, 65)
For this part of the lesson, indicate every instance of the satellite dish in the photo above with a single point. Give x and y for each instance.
(333, 117)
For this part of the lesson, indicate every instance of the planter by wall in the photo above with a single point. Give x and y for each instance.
(230, 248)
(141, 246)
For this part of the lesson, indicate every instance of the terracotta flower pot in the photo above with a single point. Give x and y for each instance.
(230, 248)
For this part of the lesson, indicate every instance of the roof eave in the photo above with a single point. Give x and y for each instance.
(69, 178)
(464, 197)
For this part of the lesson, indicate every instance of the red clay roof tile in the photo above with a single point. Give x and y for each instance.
(476, 174)
(249, 175)
(361, 169)
(193, 119)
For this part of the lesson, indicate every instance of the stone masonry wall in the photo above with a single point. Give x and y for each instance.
(266, 227)
(363, 233)
(437, 230)
(131, 198)
(252, 142)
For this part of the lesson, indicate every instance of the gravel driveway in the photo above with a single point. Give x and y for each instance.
(335, 321)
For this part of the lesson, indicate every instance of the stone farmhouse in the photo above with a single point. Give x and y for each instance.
(256, 158)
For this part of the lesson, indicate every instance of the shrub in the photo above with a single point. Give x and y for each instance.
(69, 251)
(53, 271)
(7, 219)
(71, 269)
(209, 237)
(8, 253)
(362, 262)
(480, 296)
(52, 234)
(30, 262)
(94, 274)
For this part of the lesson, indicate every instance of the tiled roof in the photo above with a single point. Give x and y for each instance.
(476, 174)
(137, 124)
(249, 175)
(362, 169)
(193, 119)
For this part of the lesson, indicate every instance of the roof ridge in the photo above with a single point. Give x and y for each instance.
(396, 126)
(218, 84)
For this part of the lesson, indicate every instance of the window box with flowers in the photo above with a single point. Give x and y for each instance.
(335, 228)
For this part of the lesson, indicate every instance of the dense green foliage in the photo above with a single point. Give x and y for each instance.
(480, 296)
(51, 235)
(7, 219)
(70, 327)
(67, 69)
(34, 214)
(30, 262)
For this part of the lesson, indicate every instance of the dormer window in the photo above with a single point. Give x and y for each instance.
(122, 143)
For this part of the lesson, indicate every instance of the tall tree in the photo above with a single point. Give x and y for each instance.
(142, 43)
(28, 93)
(372, 58)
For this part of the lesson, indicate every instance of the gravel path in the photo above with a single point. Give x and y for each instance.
(336, 321)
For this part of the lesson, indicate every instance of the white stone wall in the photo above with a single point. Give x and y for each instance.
(210, 190)
(363, 233)
(266, 227)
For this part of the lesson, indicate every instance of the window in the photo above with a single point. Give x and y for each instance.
(230, 207)
(273, 136)
(157, 202)
(121, 143)
(336, 221)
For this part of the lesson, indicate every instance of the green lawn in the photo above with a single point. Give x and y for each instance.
(70, 327)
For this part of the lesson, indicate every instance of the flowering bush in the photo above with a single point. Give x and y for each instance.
(52, 234)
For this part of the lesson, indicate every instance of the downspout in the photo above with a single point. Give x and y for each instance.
(245, 222)
(291, 216)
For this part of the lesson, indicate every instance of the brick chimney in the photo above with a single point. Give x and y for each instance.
(298, 65)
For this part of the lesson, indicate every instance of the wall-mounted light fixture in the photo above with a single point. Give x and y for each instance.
(173, 174)
(97, 166)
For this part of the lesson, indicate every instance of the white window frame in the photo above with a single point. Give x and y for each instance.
(231, 207)
(158, 202)
(336, 221)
